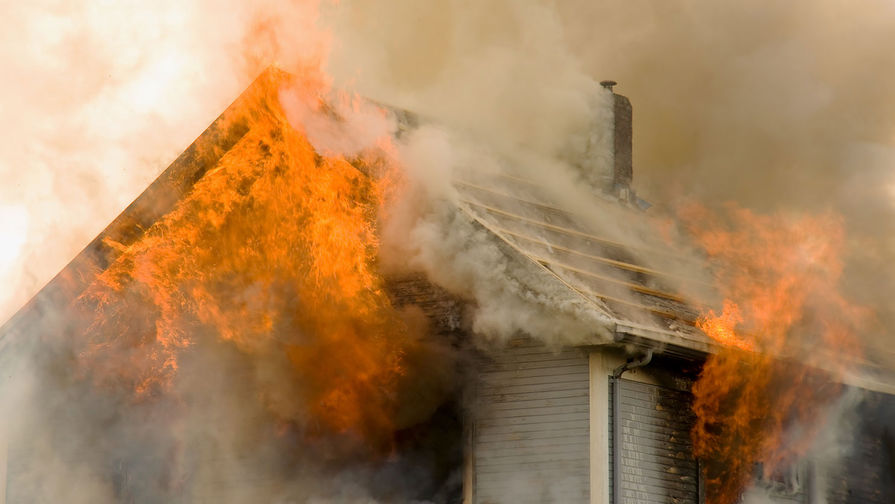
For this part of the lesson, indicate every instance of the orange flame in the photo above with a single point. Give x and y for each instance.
(722, 328)
(273, 250)
(759, 399)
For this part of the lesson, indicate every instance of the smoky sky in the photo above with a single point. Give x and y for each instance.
(777, 106)
(781, 107)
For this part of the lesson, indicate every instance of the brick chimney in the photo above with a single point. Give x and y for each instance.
(619, 184)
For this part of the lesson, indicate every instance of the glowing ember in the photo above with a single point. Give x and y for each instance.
(273, 250)
(756, 401)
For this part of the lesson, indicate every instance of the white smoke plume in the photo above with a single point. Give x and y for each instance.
(769, 104)
(101, 96)
(731, 102)
(426, 231)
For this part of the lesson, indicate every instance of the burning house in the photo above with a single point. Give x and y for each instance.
(231, 337)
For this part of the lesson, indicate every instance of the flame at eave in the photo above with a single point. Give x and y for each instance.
(274, 249)
(760, 399)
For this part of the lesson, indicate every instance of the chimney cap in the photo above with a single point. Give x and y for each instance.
(608, 84)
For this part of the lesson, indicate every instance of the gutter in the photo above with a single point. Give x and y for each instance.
(864, 375)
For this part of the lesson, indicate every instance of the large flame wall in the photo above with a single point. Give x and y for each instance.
(786, 339)
(274, 250)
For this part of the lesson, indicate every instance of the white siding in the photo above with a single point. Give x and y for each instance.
(657, 464)
(3, 456)
(530, 441)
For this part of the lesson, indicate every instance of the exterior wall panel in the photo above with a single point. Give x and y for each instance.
(656, 463)
(530, 442)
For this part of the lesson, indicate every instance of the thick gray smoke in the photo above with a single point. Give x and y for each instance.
(777, 107)
(769, 105)
(100, 98)
(773, 105)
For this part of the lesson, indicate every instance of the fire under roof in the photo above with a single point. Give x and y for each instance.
(602, 271)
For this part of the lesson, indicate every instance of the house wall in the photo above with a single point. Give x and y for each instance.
(531, 427)
(533, 406)
(655, 454)
(866, 472)
(3, 463)
(542, 430)
(654, 448)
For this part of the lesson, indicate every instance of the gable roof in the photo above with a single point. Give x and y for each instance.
(152, 204)
(603, 271)
(609, 272)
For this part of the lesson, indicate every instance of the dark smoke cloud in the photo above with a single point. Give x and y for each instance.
(777, 106)
(780, 107)
(773, 105)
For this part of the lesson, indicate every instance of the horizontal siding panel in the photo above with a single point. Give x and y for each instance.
(532, 364)
(671, 471)
(645, 498)
(499, 472)
(658, 471)
(548, 444)
(534, 458)
(497, 377)
(487, 395)
(533, 369)
(555, 488)
(507, 449)
(530, 438)
(657, 465)
(545, 428)
(571, 380)
(573, 402)
(502, 478)
(642, 422)
(539, 391)
(555, 411)
(502, 435)
(655, 487)
(660, 439)
(658, 478)
(510, 458)
(654, 492)
(556, 492)
(508, 387)
(534, 395)
(509, 355)
(681, 409)
(512, 466)
(679, 460)
(532, 427)
(536, 422)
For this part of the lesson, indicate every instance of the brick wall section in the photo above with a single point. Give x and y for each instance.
(444, 311)
(623, 173)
